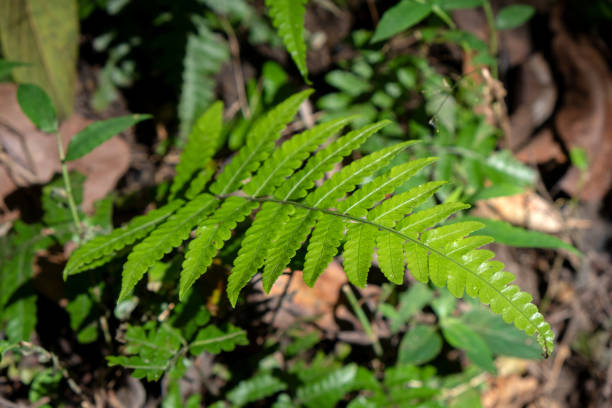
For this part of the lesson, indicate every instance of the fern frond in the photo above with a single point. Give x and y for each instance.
(200, 180)
(297, 186)
(201, 146)
(288, 18)
(254, 389)
(204, 55)
(291, 156)
(212, 234)
(259, 144)
(214, 340)
(106, 245)
(166, 237)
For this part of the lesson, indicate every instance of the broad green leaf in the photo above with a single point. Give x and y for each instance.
(419, 345)
(288, 18)
(508, 234)
(503, 339)
(347, 82)
(461, 336)
(502, 166)
(37, 106)
(99, 132)
(513, 16)
(400, 17)
(45, 35)
(411, 301)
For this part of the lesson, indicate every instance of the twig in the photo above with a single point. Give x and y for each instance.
(281, 298)
(238, 76)
(67, 185)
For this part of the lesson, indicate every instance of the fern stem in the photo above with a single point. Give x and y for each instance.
(67, 185)
(403, 236)
(367, 327)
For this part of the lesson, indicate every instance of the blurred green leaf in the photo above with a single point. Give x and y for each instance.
(258, 387)
(327, 391)
(461, 336)
(505, 233)
(420, 344)
(458, 4)
(99, 132)
(347, 82)
(45, 35)
(400, 17)
(467, 399)
(502, 338)
(37, 106)
(505, 167)
(513, 16)
(579, 158)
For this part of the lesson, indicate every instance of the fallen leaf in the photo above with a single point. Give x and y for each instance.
(31, 157)
(585, 117)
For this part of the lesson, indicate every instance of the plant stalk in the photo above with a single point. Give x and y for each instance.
(494, 36)
(67, 185)
(367, 327)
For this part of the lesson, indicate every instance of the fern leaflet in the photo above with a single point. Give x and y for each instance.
(161, 241)
(205, 54)
(200, 148)
(107, 245)
(288, 18)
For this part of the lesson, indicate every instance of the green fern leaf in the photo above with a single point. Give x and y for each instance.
(327, 391)
(258, 387)
(204, 55)
(259, 144)
(290, 156)
(166, 237)
(391, 256)
(105, 246)
(323, 246)
(288, 18)
(214, 340)
(200, 148)
(358, 250)
(212, 234)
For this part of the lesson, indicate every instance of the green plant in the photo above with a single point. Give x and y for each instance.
(446, 255)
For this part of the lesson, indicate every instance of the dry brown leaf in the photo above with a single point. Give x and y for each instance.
(30, 157)
(585, 118)
(321, 299)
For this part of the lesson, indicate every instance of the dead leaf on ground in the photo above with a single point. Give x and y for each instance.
(30, 157)
(303, 301)
(585, 118)
(541, 148)
(527, 210)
